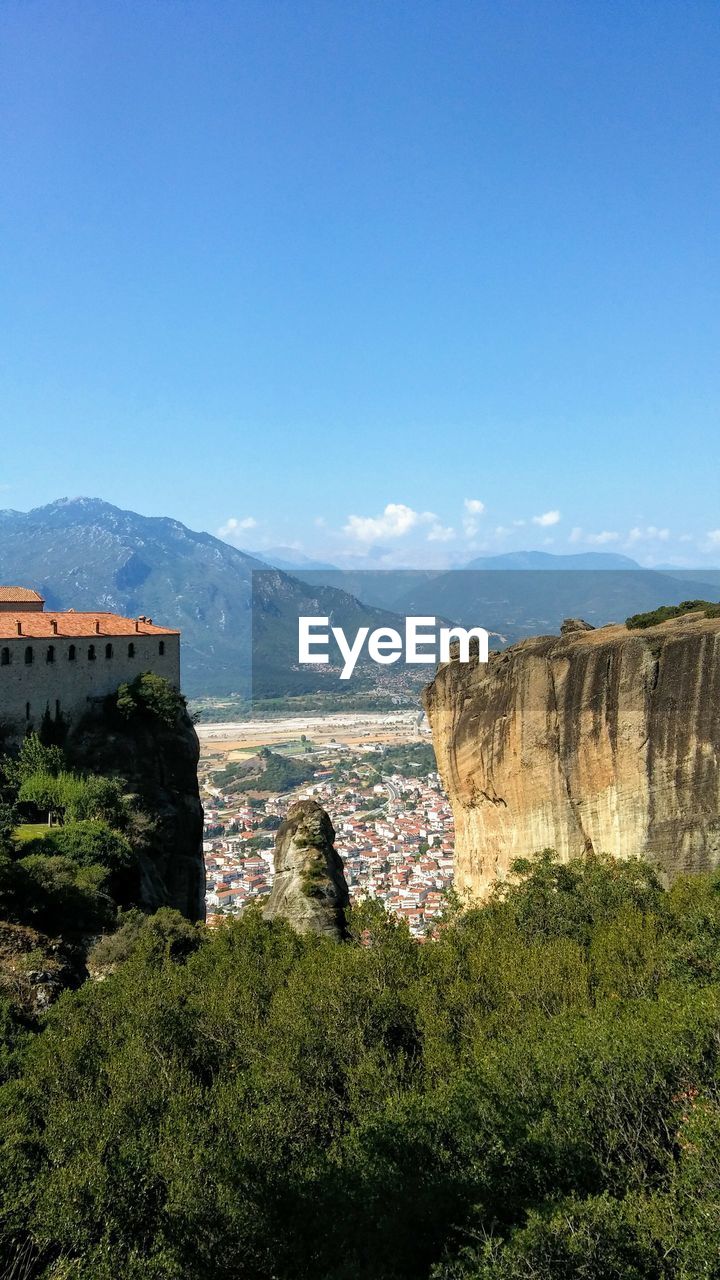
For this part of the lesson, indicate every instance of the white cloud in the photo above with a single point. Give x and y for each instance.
(235, 526)
(600, 539)
(593, 539)
(546, 519)
(473, 508)
(713, 537)
(441, 533)
(320, 522)
(395, 521)
(650, 533)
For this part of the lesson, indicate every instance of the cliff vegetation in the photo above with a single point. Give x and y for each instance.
(91, 829)
(532, 1094)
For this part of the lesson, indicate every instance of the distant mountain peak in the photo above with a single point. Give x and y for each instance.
(79, 503)
(551, 560)
(290, 558)
(84, 553)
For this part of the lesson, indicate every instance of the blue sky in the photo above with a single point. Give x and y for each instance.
(321, 274)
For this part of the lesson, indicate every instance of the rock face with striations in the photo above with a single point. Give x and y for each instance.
(157, 763)
(601, 740)
(309, 889)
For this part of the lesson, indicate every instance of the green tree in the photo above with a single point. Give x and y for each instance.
(151, 696)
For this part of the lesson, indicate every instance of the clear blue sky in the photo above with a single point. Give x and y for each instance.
(294, 262)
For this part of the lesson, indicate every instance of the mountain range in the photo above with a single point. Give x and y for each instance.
(525, 592)
(84, 553)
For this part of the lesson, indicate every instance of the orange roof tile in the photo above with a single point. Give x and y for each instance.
(40, 625)
(20, 595)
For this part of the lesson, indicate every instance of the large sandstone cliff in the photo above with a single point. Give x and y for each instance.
(604, 740)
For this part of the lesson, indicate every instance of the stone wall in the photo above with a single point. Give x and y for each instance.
(59, 683)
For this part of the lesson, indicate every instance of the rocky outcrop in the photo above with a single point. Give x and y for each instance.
(35, 969)
(602, 740)
(309, 889)
(157, 762)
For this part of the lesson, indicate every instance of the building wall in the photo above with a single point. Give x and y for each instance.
(28, 690)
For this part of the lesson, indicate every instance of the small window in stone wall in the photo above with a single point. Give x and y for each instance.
(131, 650)
(50, 656)
(161, 648)
(108, 651)
(72, 653)
(27, 710)
(5, 657)
(91, 653)
(28, 655)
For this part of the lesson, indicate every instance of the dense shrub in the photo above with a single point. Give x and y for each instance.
(88, 842)
(654, 616)
(33, 757)
(55, 895)
(166, 933)
(532, 1094)
(75, 797)
(152, 696)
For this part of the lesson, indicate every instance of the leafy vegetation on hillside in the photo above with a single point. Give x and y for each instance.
(411, 760)
(268, 771)
(150, 695)
(666, 611)
(67, 878)
(533, 1094)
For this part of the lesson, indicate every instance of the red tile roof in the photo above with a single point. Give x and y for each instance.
(20, 595)
(40, 625)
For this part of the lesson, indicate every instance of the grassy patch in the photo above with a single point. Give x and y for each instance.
(31, 831)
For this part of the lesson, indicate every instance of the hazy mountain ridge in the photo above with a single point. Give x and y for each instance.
(524, 592)
(84, 553)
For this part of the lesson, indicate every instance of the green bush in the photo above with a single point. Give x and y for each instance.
(532, 1094)
(55, 895)
(153, 696)
(664, 612)
(87, 843)
(33, 758)
(75, 798)
(165, 933)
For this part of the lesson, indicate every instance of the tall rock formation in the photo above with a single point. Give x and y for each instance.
(309, 889)
(601, 740)
(157, 762)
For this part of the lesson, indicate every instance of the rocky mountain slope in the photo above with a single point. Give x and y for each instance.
(83, 553)
(604, 740)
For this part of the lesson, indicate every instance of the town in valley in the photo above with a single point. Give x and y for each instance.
(375, 775)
